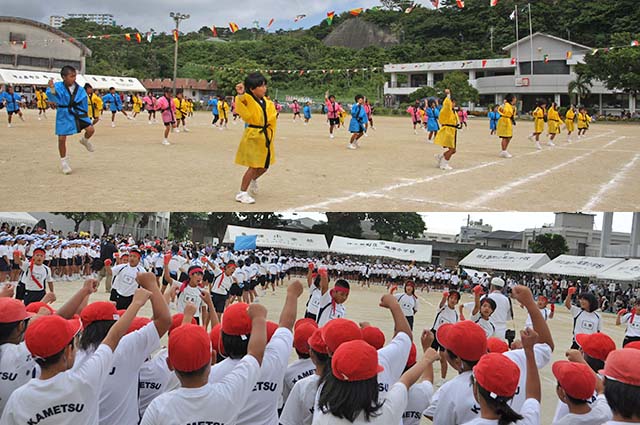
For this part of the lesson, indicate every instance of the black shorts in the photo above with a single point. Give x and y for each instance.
(410, 320)
(308, 315)
(4, 266)
(628, 339)
(20, 289)
(83, 124)
(77, 261)
(417, 122)
(33, 296)
(169, 123)
(122, 303)
(334, 121)
(262, 280)
(14, 266)
(62, 262)
(54, 262)
(219, 301)
(273, 278)
(13, 112)
(282, 275)
(296, 113)
(183, 277)
(158, 271)
(435, 344)
(235, 290)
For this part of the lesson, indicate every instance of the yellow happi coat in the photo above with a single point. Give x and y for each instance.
(505, 123)
(256, 148)
(447, 136)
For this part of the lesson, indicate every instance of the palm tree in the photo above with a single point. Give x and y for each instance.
(580, 87)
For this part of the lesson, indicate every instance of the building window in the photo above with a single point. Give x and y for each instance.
(549, 68)
(59, 63)
(7, 59)
(33, 61)
(438, 76)
(418, 80)
(15, 37)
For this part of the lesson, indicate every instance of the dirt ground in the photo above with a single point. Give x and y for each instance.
(362, 305)
(393, 171)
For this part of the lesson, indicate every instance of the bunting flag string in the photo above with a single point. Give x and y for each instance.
(294, 72)
(330, 16)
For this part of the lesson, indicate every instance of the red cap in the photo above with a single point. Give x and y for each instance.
(465, 339)
(300, 322)
(596, 345)
(216, 338)
(576, 379)
(338, 331)
(177, 319)
(272, 327)
(236, 320)
(99, 310)
(36, 306)
(50, 334)
(301, 337)
(496, 345)
(355, 361)
(617, 366)
(634, 344)
(189, 348)
(497, 374)
(12, 310)
(373, 336)
(413, 354)
(316, 342)
(138, 323)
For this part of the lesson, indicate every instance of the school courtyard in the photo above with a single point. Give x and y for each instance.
(394, 170)
(362, 305)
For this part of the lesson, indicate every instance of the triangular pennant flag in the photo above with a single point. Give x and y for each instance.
(513, 15)
(493, 3)
(330, 17)
(435, 3)
(24, 44)
(484, 63)
(149, 37)
(127, 37)
(460, 4)
(138, 38)
(175, 36)
(234, 27)
(214, 31)
(356, 12)
(271, 23)
(410, 8)
(513, 61)
(301, 73)
(298, 18)
(634, 43)
(546, 58)
(569, 54)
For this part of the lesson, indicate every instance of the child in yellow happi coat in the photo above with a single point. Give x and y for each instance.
(256, 149)
(583, 121)
(569, 121)
(223, 109)
(554, 122)
(506, 122)
(94, 104)
(41, 100)
(137, 104)
(182, 111)
(448, 134)
(538, 122)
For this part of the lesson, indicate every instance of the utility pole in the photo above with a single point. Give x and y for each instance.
(531, 36)
(491, 30)
(177, 17)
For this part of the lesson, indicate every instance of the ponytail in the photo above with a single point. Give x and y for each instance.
(500, 406)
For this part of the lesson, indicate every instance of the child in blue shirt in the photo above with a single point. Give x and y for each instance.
(358, 120)
(307, 112)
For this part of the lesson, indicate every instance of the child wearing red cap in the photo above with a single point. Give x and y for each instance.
(577, 383)
(633, 323)
(35, 279)
(331, 301)
(495, 382)
(65, 394)
(118, 398)
(199, 401)
(585, 318)
(622, 386)
(409, 302)
(350, 394)
(304, 366)
(446, 314)
(123, 283)
(261, 408)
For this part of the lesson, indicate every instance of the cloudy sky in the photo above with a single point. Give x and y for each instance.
(145, 14)
(450, 222)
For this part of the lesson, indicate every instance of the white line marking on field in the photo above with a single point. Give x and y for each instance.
(488, 196)
(412, 182)
(426, 301)
(595, 199)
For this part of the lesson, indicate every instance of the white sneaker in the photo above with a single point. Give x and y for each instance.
(245, 198)
(352, 146)
(550, 143)
(176, 130)
(87, 144)
(9, 126)
(438, 158)
(531, 139)
(220, 128)
(331, 136)
(538, 146)
(186, 130)
(113, 125)
(129, 118)
(253, 188)
(155, 120)
(505, 154)
(66, 168)
(39, 119)
(166, 142)
(444, 165)
(415, 132)
(149, 122)
(366, 135)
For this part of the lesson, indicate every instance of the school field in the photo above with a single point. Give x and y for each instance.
(394, 170)
(362, 305)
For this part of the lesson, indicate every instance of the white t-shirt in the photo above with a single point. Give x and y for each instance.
(390, 412)
(633, 329)
(454, 403)
(486, 325)
(545, 314)
(600, 413)
(502, 314)
(214, 403)
(408, 303)
(419, 399)
(326, 312)
(176, 264)
(530, 410)
(69, 398)
(298, 409)
(542, 354)
(562, 409)
(190, 294)
(585, 322)
(296, 371)
(445, 315)
(313, 305)
(393, 357)
(155, 379)
(124, 279)
(17, 367)
(221, 284)
(42, 273)
(261, 407)
(119, 395)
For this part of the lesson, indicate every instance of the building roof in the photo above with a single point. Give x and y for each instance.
(541, 34)
(502, 234)
(15, 20)
(181, 83)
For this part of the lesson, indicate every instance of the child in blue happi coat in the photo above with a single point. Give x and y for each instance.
(358, 120)
(115, 105)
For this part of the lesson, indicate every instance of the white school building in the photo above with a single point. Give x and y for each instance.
(494, 78)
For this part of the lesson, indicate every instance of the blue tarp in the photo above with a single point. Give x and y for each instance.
(244, 243)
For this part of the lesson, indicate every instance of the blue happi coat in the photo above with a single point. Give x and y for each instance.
(13, 101)
(114, 101)
(70, 112)
(358, 119)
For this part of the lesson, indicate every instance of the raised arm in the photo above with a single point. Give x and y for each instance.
(310, 274)
(400, 323)
(119, 329)
(523, 295)
(161, 314)
(72, 306)
(258, 338)
(426, 340)
(567, 301)
(324, 280)
(477, 290)
(289, 310)
(445, 295)
(529, 337)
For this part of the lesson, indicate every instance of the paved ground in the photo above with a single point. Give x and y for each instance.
(362, 305)
(393, 171)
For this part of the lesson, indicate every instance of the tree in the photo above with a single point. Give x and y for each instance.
(77, 217)
(108, 219)
(180, 224)
(398, 5)
(397, 225)
(423, 93)
(461, 90)
(549, 243)
(260, 220)
(341, 224)
(217, 223)
(580, 87)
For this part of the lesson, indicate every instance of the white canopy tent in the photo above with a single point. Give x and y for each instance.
(18, 219)
(504, 260)
(627, 271)
(99, 82)
(571, 265)
(375, 248)
(279, 239)
(124, 84)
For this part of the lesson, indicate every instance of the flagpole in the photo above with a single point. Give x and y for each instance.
(531, 36)
(517, 44)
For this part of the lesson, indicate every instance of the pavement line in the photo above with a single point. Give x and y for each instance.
(488, 196)
(620, 175)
